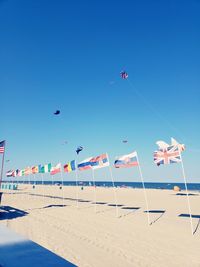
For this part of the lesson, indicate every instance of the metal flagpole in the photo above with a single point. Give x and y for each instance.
(95, 194)
(76, 186)
(62, 184)
(144, 189)
(2, 163)
(51, 178)
(188, 201)
(42, 184)
(113, 184)
(34, 184)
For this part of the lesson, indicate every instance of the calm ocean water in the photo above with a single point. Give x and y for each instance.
(191, 186)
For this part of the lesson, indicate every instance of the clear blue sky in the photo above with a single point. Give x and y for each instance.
(67, 55)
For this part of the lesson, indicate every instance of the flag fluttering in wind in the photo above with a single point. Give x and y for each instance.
(164, 145)
(124, 75)
(15, 173)
(27, 171)
(85, 164)
(2, 147)
(70, 166)
(45, 168)
(56, 169)
(35, 169)
(175, 143)
(168, 155)
(79, 149)
(21, 173)
(9, 173)
(126, 161)
(99, 162)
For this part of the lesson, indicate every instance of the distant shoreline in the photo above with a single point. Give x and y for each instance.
(148, 185)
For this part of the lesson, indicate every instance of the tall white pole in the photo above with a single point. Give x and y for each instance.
(114, 189)
(95, 194)
(51, 178)
(76, 186)
(42, 184)
(188, 200)
(62, 184)
(144, 189)
(1, 177)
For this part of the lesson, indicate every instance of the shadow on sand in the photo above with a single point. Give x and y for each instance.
(193, 216)
(159, 212)
(8, 213)
(184, 194)
(130, 209)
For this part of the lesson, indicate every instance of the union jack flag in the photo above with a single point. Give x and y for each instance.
(168, 155)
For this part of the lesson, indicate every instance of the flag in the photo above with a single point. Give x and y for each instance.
(126, 161)
(21, 173)
(164, 145)
(70, 166)
(35, 169)
(56, 169)
(41, 168)
(47, 167)
(99, 162)
(27, 171)
(9, 173)
(181, 147)
(15, 173)
(2, 147)
(169, 155)
(85, 164)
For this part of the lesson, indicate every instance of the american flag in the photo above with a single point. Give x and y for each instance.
(2, 147)
(124, 75)
(168, 155)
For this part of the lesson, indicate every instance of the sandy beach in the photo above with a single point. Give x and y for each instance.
(90, 234)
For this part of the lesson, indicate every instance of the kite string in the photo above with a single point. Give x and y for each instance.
(148, 104)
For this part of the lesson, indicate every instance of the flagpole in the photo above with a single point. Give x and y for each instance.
(2, 164)
(95, 195)
(76, 186)
(188, 200)
(62, 185)
(42, 184)
(34, 184)
(113, 184)
(51, 178)
(144, 189)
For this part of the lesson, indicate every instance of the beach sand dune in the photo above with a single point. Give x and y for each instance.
(92, 235)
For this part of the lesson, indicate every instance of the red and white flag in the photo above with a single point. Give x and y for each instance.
(55, 169)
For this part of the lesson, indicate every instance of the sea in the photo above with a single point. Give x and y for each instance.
(150, 185)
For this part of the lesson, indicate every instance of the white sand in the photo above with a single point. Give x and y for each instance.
(89, 238)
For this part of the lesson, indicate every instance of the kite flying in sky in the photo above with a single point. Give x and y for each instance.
(57, 112)
(164, 145)
(64, 143)
(124, 75)
(125, 141)
(79, 149)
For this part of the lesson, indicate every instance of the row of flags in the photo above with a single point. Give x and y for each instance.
(164, 155)
(92, 163)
